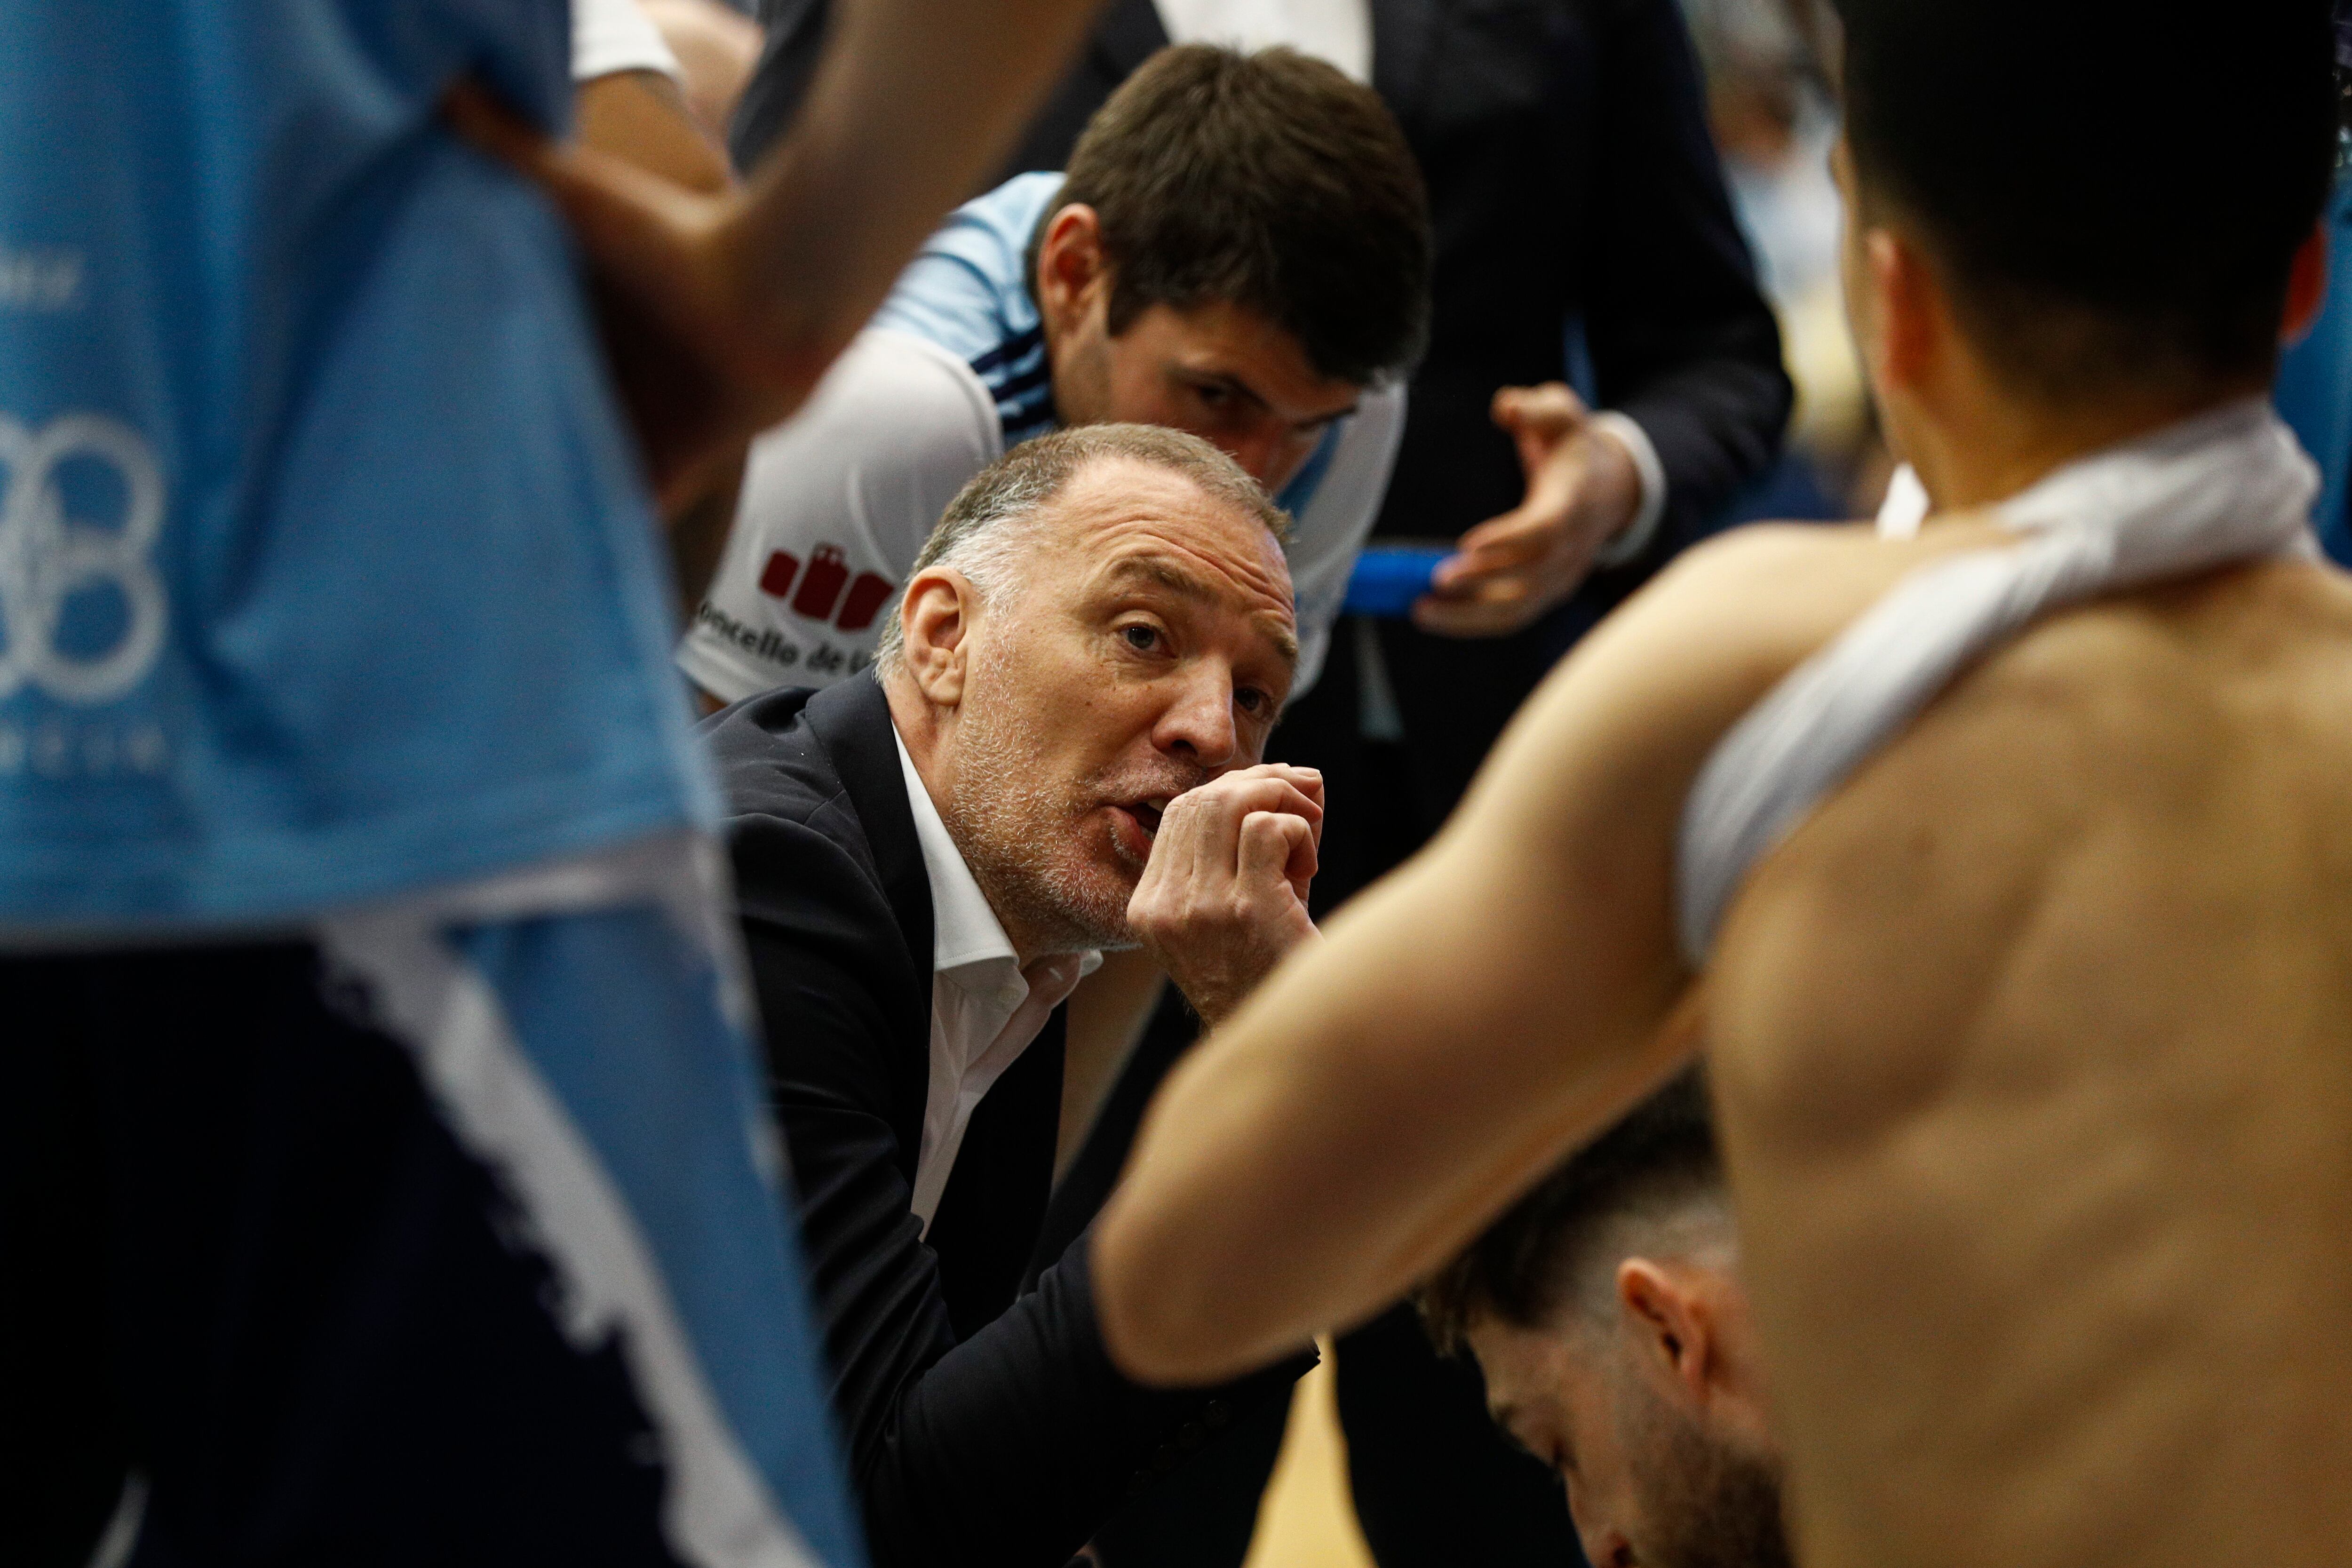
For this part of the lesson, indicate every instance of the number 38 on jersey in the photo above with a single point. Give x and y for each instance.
(82, 610)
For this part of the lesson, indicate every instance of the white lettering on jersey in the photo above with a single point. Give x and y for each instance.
(39, 280)
(48, 555)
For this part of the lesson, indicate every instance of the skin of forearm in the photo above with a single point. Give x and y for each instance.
(1331, 1147)
(642, 117)
(697, 534)
(913, 102)
(1383, 1096)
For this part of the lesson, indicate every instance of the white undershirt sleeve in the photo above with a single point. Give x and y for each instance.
(1634, 537)
(1339, 31)
(612, 36)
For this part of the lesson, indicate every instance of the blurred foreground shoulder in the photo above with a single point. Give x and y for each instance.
(1759, 565)
(1747, 602)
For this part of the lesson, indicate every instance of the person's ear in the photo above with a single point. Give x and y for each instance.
(2306, 286)
(1912, 316)
(1673, 1327)
(1072, 272)
(935, 620)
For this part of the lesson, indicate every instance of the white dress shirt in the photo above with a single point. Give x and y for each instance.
(1339, 31)
(985, 1008)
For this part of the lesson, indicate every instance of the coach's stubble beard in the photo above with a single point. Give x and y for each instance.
(1030, 837)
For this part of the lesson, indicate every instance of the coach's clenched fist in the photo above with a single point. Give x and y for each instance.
(1223, 897)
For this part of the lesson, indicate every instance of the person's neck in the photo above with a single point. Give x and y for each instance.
(923, 731)
(2000, 448)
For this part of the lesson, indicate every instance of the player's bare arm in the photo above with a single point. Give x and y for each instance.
(755, 291)
(642, 117)
(1379, 1100)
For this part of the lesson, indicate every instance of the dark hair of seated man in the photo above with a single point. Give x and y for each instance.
(1526, 1267)
(1606, 1312)
(1268, 181)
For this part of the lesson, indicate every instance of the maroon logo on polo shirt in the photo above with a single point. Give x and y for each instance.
(821, 595)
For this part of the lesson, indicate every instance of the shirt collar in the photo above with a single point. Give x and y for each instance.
(965, 930)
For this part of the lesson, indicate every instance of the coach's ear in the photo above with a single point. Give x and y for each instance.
(936, 619)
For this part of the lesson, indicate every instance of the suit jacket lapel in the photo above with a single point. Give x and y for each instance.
(1404, 57)
(1128, 34)
(853, 721)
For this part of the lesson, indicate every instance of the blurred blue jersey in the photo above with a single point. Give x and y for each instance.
(325, 571)
(2315, 385)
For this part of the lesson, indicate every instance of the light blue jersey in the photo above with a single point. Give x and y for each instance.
(330, 605)
(325, 570)
(951, 374)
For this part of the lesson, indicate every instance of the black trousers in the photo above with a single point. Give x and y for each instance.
(244, 1261)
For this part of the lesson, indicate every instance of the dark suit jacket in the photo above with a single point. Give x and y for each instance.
(985, 1423)
(1575, 192)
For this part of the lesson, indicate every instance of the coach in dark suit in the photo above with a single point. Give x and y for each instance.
(1056, 752)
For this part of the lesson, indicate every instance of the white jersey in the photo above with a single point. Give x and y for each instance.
(837, 502)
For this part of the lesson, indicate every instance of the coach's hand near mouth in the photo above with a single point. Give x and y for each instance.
(1223, 898)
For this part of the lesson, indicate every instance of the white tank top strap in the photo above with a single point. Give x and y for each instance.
(2230, 485)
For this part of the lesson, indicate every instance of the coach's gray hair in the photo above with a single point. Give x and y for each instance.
(982, 535)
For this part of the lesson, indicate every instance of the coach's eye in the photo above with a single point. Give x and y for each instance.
(1251, 700)
(1141, 638)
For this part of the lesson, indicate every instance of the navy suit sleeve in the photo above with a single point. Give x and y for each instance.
(794, 41)
(1681, 339)
(1013, 1446)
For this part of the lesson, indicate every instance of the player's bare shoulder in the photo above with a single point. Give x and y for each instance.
(2222, 698)
(2237, 686)
(2085, 918)
(1651, 691)
(1592, 775)
(2150, 793)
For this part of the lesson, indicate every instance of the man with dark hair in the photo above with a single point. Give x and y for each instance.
(1327, 238)
(1606, 1312)
(2001, 869)
(1240, 250)
(1057, 752)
